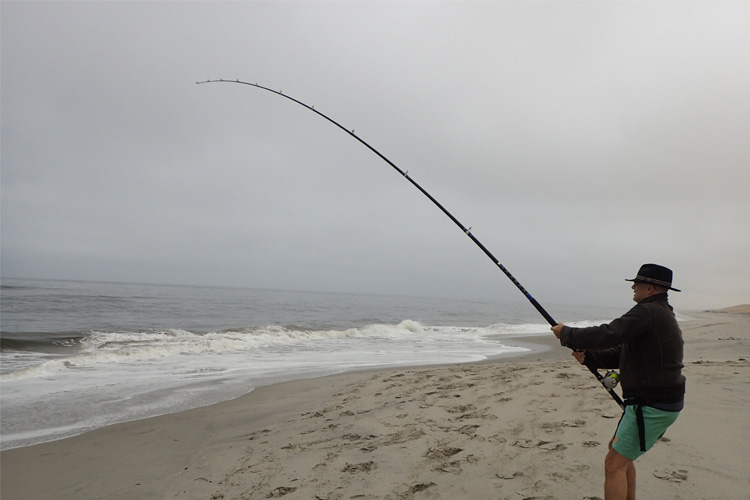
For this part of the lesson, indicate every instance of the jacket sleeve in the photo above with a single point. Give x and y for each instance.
(606, 336)
(604, 358)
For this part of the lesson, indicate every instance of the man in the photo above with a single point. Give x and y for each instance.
(646, 345)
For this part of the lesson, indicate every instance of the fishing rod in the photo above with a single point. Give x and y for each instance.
(608, 381)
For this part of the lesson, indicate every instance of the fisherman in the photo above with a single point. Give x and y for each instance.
(646, 345)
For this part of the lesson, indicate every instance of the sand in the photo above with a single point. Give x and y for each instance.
(531, 427)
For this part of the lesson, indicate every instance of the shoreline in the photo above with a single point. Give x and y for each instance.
(534, 343)
(535, 423)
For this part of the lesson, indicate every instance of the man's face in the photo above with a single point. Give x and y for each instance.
(641, 291)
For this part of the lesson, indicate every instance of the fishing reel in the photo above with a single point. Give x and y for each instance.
(610, 379)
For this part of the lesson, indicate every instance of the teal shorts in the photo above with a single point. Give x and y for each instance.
(627, 438)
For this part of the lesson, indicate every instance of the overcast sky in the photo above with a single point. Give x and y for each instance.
(579, 140)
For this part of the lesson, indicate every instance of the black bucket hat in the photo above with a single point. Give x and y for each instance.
(655, 275)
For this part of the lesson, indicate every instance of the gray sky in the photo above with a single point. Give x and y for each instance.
(578, 140)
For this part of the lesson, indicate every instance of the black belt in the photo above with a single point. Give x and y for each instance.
(639, 420)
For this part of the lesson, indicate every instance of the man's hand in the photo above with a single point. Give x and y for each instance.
(557, 329)
(580, 356)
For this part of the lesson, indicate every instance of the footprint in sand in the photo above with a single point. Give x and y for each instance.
(281, 491)
(544, 445)
(675, 476)
(409, 491)
(361, 467)
(442, 452)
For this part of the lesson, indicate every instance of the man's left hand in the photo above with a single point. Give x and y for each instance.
(557, 329)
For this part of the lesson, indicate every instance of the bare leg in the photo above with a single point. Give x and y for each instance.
(630, 473)
(619, 477)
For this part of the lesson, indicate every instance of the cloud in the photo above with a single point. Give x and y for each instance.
(579, 140)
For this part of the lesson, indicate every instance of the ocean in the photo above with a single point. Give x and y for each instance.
(76, 356)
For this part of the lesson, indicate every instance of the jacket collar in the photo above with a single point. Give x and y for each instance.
(659, 297)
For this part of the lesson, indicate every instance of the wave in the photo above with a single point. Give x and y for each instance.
(40, 342)
(94, 348)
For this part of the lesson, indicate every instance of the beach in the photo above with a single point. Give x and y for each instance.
(534, 426)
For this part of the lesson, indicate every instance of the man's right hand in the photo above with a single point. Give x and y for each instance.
(580, 356)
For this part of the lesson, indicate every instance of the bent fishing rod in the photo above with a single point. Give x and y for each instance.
(608, 381)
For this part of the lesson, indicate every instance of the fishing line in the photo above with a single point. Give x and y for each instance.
(467, 231)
